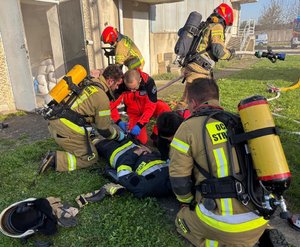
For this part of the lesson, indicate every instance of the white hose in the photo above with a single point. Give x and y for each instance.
(170, 83)
(278, 115)
(276, 97)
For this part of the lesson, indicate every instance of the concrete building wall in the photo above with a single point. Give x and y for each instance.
(169, 17)
(274, 36)
(37, 33)
(108, 16)
(162, 51)
(92, 33)
(6, 95)
(56, 44)
(17, 56)
(136, 26)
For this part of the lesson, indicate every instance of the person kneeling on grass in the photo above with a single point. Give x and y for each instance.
(136, 167)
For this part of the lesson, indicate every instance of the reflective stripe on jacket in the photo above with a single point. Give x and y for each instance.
(187, 146)
(128, 54)
(93, 103)
(214, 40)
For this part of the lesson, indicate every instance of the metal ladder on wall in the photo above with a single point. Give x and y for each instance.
(246, 33)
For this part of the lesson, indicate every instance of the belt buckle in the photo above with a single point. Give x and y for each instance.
(238, 187)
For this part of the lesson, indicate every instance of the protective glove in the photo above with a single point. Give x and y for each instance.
(98, 195)
(136, 130)
(113, 189)
(123, 125)
(232, 54)
(121, 136)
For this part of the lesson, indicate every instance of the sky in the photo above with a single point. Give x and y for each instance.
(254, 10)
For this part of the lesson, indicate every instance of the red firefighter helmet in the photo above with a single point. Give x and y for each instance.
(225, 11)
(109, 35)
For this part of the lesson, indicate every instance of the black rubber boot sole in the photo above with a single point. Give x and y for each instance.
(272, 238)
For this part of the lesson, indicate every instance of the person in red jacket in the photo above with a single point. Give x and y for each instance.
(140, 99)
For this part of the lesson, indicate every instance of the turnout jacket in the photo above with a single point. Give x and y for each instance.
(122, 158)
(128, 54)
(94, 103)
(212, 45)
(143, 175)
(141, 103)
(187, 146)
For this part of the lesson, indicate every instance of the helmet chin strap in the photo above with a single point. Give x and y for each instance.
(217, 18)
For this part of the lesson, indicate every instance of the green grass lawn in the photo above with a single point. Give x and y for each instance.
(125, 220)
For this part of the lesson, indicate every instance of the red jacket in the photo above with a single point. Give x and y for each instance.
(139, 103)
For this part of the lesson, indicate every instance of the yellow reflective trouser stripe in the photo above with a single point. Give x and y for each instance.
(185, 200)
(124, 167)
(211, 243)
(119, 151)
(180, 145)
(71, 162)
(230, 227)
(222, 171)
(138, 63)
(145, 166)
(73, 126)
(104, 113)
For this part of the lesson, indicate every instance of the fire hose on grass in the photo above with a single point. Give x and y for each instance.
(273, 57)
(170, 83)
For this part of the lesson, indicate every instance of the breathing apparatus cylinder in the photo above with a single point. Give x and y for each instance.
(62, 89)
(187, 34)
(266, 150)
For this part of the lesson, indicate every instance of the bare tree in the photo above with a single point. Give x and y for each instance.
(291, 10)
(272, 15)
(279, 12)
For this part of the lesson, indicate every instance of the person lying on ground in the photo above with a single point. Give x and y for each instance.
(136, 167)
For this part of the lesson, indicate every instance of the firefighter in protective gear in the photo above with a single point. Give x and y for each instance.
(126, 51)
(139, 170)
(211, 47)
(224, 221)
(93, 103)
(139, 96)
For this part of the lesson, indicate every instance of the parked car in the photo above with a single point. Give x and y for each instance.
(261, 39)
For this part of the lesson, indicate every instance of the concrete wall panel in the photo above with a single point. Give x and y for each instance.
(6, 95)
(17, 57)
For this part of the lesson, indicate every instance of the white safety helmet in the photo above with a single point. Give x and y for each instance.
(17, 213)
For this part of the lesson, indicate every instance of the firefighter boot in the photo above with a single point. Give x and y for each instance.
(272, 238)
(48, 161)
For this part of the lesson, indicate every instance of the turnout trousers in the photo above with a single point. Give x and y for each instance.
(75, 155)
(200, 234)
